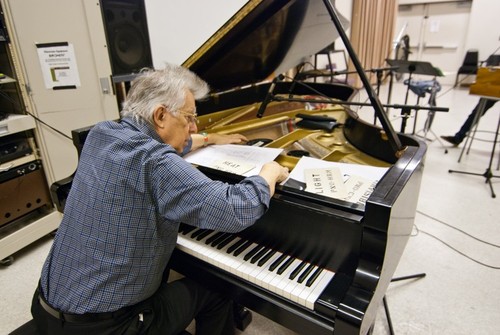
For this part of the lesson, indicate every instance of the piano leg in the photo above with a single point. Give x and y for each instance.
(242, 316)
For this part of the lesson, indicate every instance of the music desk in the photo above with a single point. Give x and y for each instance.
(487, 87)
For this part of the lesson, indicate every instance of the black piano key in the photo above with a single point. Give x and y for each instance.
(182, 226)
(297, 270)
(226, 241)
(242, 248)
(314, 276)
(213, 237)
(259, 255)
(219, 239)
(252, 252)
(277, 262)
(204, 234)
(198, 232)
(186, 229)
(266, 257)
(285, 265)
(235, 246)
(306, 273)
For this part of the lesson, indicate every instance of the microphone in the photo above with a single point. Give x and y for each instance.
(269, 96)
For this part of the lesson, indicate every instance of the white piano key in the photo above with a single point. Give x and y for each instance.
(300, 287)
(278, 284)
(302, 297)
(264, 278)
(245, 267)
(316, 292)
(260, 272)
(293, 284)
(261, 276)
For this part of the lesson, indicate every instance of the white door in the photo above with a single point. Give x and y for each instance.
(79, 23)
(437, 34)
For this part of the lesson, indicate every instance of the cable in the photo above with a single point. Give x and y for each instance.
(451, 247)
(453, 87)
(49, 126)
(16, 107)
(460, 252)
(457, 229)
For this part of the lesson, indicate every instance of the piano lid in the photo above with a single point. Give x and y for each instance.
(263, 39)
(269, 37)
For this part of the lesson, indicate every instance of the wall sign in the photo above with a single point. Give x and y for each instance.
(58, 63)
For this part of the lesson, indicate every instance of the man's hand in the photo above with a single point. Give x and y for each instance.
(200, 140)
(273, 173)
(216, 138)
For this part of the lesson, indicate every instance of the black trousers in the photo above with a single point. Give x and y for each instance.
(469, 123)
(169, 311)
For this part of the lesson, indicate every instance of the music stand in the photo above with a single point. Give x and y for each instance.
(412, 67)
(488, 174)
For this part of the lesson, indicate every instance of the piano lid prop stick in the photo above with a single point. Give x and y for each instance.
(394, 141)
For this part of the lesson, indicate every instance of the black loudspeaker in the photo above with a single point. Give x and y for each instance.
(127, 35)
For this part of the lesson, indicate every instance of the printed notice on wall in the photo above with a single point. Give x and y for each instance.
(58, 64)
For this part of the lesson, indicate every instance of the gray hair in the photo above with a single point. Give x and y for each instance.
(165, 86)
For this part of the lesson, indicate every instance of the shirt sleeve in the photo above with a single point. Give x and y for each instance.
(188, 147)
(184, 194)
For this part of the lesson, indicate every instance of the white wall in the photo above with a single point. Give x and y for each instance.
(484, 28)
(169, 20)
(176, 29)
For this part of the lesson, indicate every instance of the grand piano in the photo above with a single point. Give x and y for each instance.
(314, 264)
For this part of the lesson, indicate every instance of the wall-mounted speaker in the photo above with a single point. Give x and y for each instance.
(127, 35)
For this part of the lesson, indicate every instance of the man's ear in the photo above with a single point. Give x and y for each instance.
(159, 116)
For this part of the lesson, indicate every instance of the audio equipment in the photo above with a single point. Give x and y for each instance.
(13, 148)
(22, 190)
(127, 35)
(4, 36)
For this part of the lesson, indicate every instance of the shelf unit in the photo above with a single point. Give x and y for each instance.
(27, 212)
(15, 123)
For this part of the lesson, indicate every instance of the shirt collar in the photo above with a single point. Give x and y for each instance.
(146, 128)
(143, 127)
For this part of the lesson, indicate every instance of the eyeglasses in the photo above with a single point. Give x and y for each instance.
(190, 117)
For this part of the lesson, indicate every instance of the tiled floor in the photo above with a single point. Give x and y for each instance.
(455, 242)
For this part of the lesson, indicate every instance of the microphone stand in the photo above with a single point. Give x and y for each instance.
(269, 96)
(405, 109)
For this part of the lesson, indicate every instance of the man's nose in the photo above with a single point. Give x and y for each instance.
(193, 128)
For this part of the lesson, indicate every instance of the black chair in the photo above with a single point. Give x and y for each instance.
(469, 65)
(29, 328)
(492, 60)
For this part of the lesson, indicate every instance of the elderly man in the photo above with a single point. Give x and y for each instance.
(106, 271)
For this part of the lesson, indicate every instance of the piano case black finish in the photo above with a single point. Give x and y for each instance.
(361, 244)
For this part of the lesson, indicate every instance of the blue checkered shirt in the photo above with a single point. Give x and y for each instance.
(128, 197)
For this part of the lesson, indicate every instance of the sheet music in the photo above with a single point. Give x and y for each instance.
(358, 180)
(243, 160)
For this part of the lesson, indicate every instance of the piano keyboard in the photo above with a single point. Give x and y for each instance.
(289, 277)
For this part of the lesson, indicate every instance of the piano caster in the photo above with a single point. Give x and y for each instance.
(242, 317)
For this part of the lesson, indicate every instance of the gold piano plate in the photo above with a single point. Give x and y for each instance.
(279, 126)
(487, 82)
